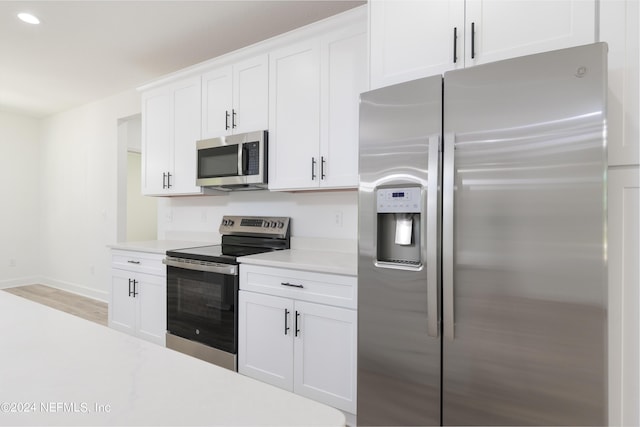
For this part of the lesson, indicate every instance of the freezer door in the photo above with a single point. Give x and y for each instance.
(398, 318)
(524, 246)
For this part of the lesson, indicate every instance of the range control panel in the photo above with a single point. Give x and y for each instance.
(268, 226)
(398, 200)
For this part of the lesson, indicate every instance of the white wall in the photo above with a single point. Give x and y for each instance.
(20, 195)
(313, 213)
(78, 178)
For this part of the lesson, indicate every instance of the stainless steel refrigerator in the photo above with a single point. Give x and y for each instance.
(482, 283)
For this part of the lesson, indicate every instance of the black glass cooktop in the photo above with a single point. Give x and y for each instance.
(229, 250)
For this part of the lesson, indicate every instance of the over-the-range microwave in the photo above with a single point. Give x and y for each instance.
(235, 162)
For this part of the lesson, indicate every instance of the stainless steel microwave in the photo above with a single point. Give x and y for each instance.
(235, 162)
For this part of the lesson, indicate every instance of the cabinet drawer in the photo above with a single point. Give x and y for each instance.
(140, 262)
(330, 289)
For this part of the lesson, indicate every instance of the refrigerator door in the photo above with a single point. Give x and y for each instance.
(398, 264)
(524, 251)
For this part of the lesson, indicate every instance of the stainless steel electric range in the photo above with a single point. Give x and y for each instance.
(202, 287)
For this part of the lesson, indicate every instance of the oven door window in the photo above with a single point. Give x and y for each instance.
(201, 306)
(218, 161)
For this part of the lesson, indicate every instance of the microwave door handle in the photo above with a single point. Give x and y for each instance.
(245, 160)
(240, 159)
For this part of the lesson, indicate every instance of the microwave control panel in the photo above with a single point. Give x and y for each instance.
(252, 160)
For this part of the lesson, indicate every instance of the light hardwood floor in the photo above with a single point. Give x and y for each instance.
(87, 308)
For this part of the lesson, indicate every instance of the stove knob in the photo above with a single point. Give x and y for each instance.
(280, 224)
(230, 222)
(224, 222)
(265, 224)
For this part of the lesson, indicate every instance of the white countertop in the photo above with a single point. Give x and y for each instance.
(322, 261)
(158, 246)
(58, 369)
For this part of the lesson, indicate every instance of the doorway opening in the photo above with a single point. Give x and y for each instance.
(137, 214)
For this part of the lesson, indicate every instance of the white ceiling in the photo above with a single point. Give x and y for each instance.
(87, 50)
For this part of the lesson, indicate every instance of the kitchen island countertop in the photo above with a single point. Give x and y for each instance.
(58, 369)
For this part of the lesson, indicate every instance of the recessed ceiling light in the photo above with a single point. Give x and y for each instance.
(28, 18)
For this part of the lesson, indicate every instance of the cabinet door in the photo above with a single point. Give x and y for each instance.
(619, 27)
(344, 77)
(216, 102)
(186, 107)
(624, 297)
(325, 353)
(157, 141)
(251, 95)
(506, 29)
(294, 116)
(151, 312)
(122, 306)
(265, 345)
(412, 39)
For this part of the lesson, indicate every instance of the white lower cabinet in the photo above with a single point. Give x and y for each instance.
(324, 354)
(138, 300)
(301, 346)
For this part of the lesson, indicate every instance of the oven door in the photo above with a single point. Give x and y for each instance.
(201, 305)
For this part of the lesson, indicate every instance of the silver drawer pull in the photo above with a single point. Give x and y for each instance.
(133, 262)
(291, 285)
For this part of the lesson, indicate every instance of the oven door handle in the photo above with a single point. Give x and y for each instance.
(228, 269)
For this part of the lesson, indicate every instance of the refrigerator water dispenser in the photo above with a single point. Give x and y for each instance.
(398, 215)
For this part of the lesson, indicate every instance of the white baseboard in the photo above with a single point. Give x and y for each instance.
(20, 281)
(75, 289)
(58, 284)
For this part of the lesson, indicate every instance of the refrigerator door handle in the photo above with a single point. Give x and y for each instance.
(448, 178)
(431, 240)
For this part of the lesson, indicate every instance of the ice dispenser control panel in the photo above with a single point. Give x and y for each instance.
(392, 200)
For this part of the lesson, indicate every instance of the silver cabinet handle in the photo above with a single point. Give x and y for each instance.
(433, 306)
(313, 169)
(448, 177)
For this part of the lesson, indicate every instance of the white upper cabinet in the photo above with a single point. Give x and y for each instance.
(302, 87)
(217, 100)
(412, 39)
(294, 119)
(235, 98)
(157, 143)
(619, 28)
(344, 78)
(170, 129)
(314, 91)
(506, 29)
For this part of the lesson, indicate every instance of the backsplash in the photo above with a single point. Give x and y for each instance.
(326, 214)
